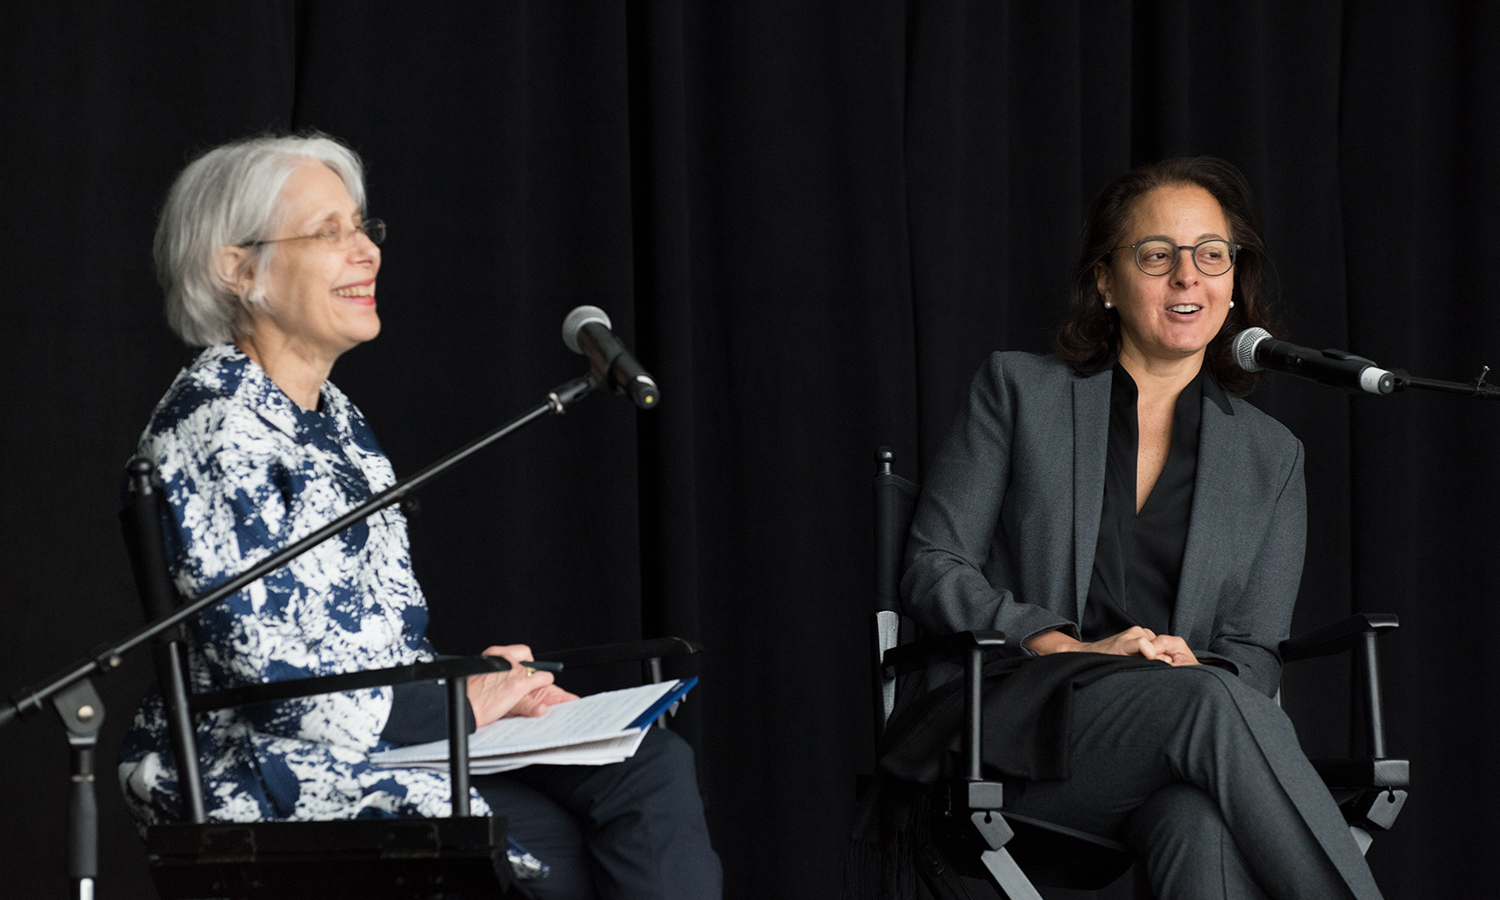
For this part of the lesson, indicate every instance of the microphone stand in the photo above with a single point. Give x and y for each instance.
(1476, 388)
(71, 690)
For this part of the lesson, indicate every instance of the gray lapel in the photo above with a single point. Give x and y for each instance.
(1090, 449)
(1220, 448)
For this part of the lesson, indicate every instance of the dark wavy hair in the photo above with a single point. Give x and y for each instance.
(1089, 340)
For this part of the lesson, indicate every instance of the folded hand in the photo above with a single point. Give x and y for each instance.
(1134, 641)
(518, 691)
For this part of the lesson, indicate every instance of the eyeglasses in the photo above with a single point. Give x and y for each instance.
(335, 236)
(1158, 257)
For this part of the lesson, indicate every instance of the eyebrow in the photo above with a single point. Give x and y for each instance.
(1205, 236)
(335, 216)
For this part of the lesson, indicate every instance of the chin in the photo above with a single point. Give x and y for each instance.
(1196, 343)
(365, 328)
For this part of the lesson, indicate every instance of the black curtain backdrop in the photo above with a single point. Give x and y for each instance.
(813, 220)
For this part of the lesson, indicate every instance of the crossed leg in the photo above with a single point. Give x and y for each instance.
(1257, 821)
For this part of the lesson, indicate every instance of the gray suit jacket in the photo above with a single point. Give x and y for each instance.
(1005, 530)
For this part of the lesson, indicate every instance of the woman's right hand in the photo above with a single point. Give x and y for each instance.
(495, 694)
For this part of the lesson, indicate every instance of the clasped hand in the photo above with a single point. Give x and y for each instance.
(518, 691)
(1134, 641)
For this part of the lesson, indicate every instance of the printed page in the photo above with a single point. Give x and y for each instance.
(593, 753)
(597, 717)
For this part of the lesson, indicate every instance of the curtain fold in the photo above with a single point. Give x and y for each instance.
(812, 221)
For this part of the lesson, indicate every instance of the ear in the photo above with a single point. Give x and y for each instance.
(234, 271)
(1101, 281)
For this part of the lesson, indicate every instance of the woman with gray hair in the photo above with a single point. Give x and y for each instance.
(268, 261)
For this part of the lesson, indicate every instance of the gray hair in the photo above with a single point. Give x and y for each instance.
(229, 197)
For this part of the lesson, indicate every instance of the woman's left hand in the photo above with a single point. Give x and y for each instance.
(518, 691)
(538, 698)
(1173, 649)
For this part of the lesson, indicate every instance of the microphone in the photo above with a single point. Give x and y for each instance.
(1255, 349)
(586, 331)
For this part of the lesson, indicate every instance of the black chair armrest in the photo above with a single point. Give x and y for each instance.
(1360, 633)
(1336, 637)
(938, 648)
(655, 648)
(453, 667)
(971, 646)
(1363, 774)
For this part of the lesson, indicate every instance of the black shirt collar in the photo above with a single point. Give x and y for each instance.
(1202, 385)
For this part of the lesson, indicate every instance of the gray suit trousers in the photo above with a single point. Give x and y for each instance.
(1204, 779)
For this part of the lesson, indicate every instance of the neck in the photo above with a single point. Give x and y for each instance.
(1159, 379)
(291, 365)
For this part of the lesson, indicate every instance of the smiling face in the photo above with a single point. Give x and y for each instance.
(1169, 318)
(320, 292)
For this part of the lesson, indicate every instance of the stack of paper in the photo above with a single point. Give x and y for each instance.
(591, 731)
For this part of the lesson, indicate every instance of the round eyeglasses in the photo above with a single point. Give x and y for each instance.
(1158, 257)
(335, 236)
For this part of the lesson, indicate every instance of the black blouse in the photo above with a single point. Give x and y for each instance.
(1138, 559)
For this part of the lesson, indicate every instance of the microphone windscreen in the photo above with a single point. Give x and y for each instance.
(578, 318)
(1244, 347)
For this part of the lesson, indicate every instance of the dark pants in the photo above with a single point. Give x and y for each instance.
(1204, 779)
(628, 830)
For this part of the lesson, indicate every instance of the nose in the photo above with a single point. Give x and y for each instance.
(1185, 272)
(363, 250)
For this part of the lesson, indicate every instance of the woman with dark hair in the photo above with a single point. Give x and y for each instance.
(1090, 338)
(1120, 500)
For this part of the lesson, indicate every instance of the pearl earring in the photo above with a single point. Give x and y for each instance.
(1108, 305)
(1231, 304)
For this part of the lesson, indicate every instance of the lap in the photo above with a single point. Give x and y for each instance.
(1205, 777)
(1138, 731)
(628, 829)
(661, 771)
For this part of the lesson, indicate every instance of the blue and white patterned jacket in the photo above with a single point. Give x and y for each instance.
(246, 471)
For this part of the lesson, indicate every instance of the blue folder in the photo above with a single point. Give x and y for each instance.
(660, 706)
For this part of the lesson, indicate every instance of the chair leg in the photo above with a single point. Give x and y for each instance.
(942, 881)
(1012, 881)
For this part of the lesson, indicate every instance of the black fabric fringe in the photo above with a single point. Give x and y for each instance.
(892, 821)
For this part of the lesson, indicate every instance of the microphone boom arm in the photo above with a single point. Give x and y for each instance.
(107, 657)
(1476, 388)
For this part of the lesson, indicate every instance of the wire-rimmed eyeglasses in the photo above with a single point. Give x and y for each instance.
(1157, 257)
(336, 236)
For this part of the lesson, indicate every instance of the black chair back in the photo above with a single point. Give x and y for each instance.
(895, 504)
(141, 522)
